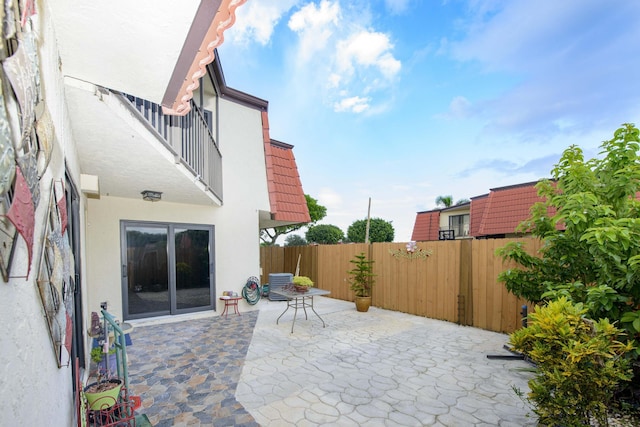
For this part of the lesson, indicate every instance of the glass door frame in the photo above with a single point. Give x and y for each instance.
(171, 265)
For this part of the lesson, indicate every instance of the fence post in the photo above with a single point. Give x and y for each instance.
(465, 291)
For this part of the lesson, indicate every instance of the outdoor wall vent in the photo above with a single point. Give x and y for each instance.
(151, 196)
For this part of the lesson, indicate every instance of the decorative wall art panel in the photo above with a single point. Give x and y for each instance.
(9, 26)
(24, 75)
(8, 235)
(28, 10)
(55, 281)
(8, 231)
(7, 153)
(46, 134)
(29, 166)
(22, 214)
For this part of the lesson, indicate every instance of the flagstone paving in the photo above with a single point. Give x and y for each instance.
(380, 368)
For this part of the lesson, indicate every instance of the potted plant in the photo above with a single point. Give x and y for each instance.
(104, 393)
(302, 283)
(97, 356)
(361, 281)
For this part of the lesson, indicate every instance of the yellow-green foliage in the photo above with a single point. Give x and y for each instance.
(579, 363)
(302, 281)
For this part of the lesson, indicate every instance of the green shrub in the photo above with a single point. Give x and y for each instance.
(579, 363)
(97, 355)
(302, 281)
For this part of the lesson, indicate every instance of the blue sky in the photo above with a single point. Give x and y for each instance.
(406, 100)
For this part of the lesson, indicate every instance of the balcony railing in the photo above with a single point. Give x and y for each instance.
(454, 232)
(189, 138)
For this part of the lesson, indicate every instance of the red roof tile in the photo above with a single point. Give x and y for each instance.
(476, 212)
(427, 226)
(286, 196)
(496, 213)
(504, 209)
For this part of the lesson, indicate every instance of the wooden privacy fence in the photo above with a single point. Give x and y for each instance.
(452, 280)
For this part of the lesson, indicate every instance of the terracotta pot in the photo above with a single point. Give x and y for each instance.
(363, 304)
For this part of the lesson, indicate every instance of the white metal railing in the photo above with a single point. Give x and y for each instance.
(189, 137)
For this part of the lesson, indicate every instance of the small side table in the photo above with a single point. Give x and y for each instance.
(230, 302)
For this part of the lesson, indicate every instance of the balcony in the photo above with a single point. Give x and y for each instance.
(454, 232)
(189, 138)
(130, 146)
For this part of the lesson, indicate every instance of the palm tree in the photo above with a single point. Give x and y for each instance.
(445, 201)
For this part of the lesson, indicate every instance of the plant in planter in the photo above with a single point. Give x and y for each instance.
(302, 283)
(299, 284)
(104, 393)
(97, 356)
(361, 281)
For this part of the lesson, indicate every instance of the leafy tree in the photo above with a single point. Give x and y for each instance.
(316, 212)
(445, 201)
(596, 259)
(295, 240)
(379, 231)
(325, 234)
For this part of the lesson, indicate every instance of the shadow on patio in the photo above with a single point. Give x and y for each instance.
(376, 368)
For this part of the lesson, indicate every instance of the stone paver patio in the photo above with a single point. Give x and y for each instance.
(380, 368)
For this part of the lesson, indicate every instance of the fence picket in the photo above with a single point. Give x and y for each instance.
(457, 282)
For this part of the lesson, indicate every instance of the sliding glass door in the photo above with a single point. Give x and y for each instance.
(166, 268)
(193, 272)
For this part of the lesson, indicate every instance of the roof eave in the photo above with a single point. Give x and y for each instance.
(205, 35)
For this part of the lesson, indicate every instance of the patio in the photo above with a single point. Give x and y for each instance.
(380, 368)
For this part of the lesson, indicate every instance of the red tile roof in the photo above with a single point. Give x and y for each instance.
(507, 207)
(478, 205)
(426, 226)
(496, 213)
(286, 196)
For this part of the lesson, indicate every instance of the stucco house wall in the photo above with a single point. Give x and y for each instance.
(33, 390)
(237, 253)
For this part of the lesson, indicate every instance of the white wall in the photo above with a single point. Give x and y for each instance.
(103, 240)
(237, 254)
(245, 189)
(33, 390)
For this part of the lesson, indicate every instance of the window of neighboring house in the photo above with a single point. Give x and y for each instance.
(459, 224)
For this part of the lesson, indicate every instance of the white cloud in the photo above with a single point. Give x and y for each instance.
(329, 198)
(367, 49)
(341, 59)
(397, 6)
(257, 19)
(567, 59)
(459, 108)
(334, 80)
(355, 104)
(314, 25)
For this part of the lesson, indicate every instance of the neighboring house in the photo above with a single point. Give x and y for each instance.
(143, 181)
(492, 215)
(442, 224)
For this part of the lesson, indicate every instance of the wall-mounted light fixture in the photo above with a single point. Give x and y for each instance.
(151, 196)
